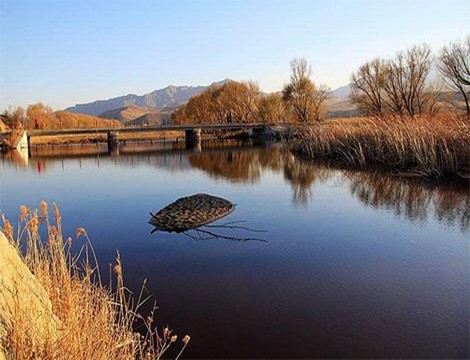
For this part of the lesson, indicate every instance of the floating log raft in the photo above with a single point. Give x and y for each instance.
(191, 212)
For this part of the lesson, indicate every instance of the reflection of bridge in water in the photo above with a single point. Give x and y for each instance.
(175, 155)
(136, 150)
(244, 162)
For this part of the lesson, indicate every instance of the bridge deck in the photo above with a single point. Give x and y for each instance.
(146, 129)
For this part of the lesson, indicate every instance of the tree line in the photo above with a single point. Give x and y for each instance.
(301, 100)
(43, 116)
(406, 85)
(402, 85)
(17, 117)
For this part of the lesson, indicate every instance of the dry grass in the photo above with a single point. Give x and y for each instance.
(68, 139)
(427, 146)
(151, 135)
(96, 321)
(102, 137)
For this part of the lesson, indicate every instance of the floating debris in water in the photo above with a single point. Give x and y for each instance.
(191, 212)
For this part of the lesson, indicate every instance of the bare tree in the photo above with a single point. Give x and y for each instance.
(367, 86)
(302, 95)
(319, 101)
(399, 85)
(454, 66)
(299, 92)
(15, 117)
(405, 82)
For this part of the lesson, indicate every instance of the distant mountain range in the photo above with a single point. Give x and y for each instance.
(156, 107)
(163, 99)
(127, 113)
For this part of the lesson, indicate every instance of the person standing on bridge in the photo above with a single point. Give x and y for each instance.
(36, 123)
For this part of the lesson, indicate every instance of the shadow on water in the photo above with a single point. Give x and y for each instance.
(211, 232)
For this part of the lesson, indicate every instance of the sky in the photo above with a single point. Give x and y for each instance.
(67, 52)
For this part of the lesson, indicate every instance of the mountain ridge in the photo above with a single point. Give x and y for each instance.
(168, 97)
(342, 92)
(126, 108)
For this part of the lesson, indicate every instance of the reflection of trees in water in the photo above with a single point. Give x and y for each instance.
(412, 199)
(246, 166)
(237, 166)
(19, 158)
(301, 176)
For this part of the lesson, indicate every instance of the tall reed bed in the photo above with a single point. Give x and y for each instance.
(433, 147)
(95, 321)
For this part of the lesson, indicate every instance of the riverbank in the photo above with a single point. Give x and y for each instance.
(97, 138)
(53, 304)
(432, 147)
(130, 136)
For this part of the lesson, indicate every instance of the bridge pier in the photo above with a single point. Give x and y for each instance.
(113, 143)
(193, 138)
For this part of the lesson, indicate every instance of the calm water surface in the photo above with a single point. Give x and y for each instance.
(354, 264)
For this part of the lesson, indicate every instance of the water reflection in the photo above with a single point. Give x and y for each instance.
(301, 177)
(412, 199)
(19, 158)
(357, 264)
(244, 165)
(241, 162)
(216, 232)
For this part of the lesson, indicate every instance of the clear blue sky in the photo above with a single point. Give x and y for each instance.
(66, 52)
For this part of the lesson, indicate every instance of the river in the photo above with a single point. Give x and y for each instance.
(330, 263)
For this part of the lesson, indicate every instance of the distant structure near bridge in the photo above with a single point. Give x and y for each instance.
(193, 133)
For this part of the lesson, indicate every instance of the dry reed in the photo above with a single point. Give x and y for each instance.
(96, 322)
(425, 146)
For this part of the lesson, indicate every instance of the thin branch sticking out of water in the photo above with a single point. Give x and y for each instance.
(202, 233)
(229, 225)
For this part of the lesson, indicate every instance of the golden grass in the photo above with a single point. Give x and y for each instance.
(102, 137)
(151, 135)
(68, 139)
(96, 321)
(424, 146)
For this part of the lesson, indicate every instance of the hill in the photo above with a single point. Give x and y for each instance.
(132, 109)
(342, 92)
(168, 97)
(151, 119)
(339, 104)
(342, 108)
(126, 113)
